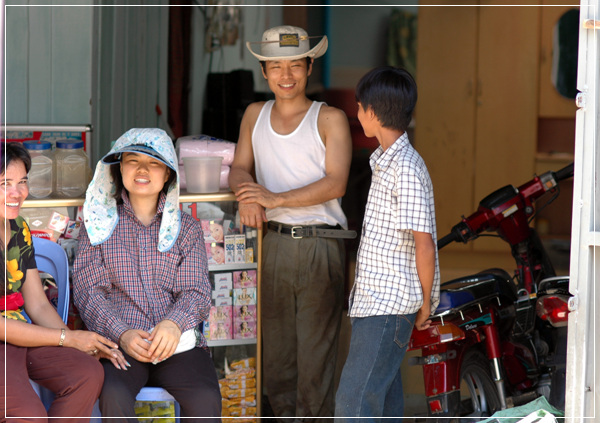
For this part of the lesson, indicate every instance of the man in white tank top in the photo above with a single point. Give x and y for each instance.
(300, 152)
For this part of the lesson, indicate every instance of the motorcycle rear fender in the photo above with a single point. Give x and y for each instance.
(443, 376)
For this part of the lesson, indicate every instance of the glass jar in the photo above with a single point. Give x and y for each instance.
(71, 168)
(41, 174)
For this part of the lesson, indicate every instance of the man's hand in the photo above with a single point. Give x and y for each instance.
(135, 343)
(251, 192)
(422, 321)
(251, 214)
(164, 340)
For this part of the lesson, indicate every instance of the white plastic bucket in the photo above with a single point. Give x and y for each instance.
(202, 174)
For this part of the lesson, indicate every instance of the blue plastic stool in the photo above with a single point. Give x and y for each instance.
(52, 259)
(147, 393)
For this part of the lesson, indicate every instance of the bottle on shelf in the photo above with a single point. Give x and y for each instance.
(250, 251)
(41, 175)
(71, 168)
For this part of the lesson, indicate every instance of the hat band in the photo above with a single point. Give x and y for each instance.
(300, 38)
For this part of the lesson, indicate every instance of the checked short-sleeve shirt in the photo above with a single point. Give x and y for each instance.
(400, 201)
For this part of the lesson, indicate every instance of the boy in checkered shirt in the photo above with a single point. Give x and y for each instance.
(397, 275)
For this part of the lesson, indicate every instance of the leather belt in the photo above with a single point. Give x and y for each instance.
(307, 231)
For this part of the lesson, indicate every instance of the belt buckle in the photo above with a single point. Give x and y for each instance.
(293, 232)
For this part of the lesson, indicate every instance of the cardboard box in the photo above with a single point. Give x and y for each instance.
(215, 253)
(221, 293)
(220, 321)
(45, 222)
(244, 279)
(222, 301)
(58, 222)
(73, 228)
(244, 296)
(244, 330)
(244, 313)
(222, 281)
(240, 248)
(230, 249)
(213, 230)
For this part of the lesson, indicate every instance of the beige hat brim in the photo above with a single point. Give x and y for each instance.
(316, 51)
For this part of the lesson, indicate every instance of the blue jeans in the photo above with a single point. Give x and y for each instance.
(371, 384)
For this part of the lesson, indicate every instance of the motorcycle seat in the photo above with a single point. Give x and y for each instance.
(462, 291)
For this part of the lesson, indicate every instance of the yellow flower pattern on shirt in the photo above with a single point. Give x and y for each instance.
(14, 274)
(26, 233)
(19, 257)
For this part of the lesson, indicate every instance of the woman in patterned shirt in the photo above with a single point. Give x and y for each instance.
(44, 350)
(141, 278)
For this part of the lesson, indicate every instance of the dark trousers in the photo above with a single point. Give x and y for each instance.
(302, 296)
(74, 377)
(189, 376)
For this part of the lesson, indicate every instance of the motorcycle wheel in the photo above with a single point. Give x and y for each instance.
(478, 394)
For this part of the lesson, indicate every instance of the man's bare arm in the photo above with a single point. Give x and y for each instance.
(251, 214)
(335, 132)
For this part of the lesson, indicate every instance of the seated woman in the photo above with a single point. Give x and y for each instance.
(141, 278)
(44, 350)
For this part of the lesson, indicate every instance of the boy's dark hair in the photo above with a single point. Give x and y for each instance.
(115, 172)
(263, 64)
(391, 93)
(14, 151)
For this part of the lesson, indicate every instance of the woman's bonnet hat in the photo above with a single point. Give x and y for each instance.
(100, 206)
(287, 43)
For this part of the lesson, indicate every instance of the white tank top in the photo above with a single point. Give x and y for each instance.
(286, 162)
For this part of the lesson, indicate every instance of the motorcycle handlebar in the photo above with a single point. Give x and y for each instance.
(442, 242)
(564, 173)
(469, 228)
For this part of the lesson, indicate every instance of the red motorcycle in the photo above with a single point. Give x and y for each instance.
(496, 340)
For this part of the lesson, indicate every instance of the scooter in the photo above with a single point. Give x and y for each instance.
(498, 340)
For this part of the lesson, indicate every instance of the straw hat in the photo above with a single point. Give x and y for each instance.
(287, 43)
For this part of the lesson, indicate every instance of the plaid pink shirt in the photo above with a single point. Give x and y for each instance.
(126, 283)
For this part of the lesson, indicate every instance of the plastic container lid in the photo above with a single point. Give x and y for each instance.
(69, 144)
(37, 145)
